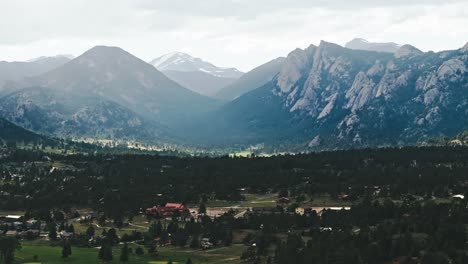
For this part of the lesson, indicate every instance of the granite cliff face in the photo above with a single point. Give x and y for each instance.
(334, 97)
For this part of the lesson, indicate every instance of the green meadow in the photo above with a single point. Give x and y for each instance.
(47, 254)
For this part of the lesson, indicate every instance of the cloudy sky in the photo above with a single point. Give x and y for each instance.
(238, 33)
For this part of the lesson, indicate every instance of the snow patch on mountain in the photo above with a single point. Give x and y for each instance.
(179, 61)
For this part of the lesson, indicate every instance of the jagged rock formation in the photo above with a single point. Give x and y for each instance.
(333, 97)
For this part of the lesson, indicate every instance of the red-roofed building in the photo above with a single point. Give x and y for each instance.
(169, 210)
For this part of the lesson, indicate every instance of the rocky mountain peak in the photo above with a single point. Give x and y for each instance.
(293, 67)
(407, 51)
(329, 45)
(104, 51)
(106, 55)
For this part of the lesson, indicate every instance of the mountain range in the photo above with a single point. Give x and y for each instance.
(17, 70)
(106, 92)
(328, 96)
(321, 97)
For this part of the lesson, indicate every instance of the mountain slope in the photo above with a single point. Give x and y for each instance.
(251, 80)
(13, 71)
(362, 44)
(333, 97)
(73, 115)
(198, 81)
(10, 133)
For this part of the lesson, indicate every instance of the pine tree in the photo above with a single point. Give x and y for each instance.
(105, 253)
(228, 239)
(202, 208)
(152, 231)
(66, 250)
(124, 253)
(52, 231)
(90, 231)
(139, 251)
(8, 246)
(108, 256)
(71, 228)
(159, 229)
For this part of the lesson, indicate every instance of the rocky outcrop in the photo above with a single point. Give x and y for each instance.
(365, 98)
(407, 51)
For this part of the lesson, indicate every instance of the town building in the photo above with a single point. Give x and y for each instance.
(303, 210)
(169, 210)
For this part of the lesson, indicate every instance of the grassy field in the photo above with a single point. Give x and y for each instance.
(325, 201)
(217, 203)
(259, 200)
(269, 200)
(52, 254)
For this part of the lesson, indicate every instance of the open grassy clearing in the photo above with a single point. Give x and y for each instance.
(11, 212)
(52, 255)
(325, 201)
(259, 200)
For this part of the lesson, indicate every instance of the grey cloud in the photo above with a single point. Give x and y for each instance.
(240, 33)
(248, 8)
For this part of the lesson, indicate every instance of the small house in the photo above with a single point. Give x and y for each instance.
(303, 210)
(12, 233)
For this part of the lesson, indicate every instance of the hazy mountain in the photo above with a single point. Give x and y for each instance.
(113, 74)
(17, 70)
(198, 81)
(362, 44)
(178, 61)
(194, 73)
(105, 93)
(47, 59)
(333, 97)
(251, 80)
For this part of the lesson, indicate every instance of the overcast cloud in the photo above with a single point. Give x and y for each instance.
(238, 33)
